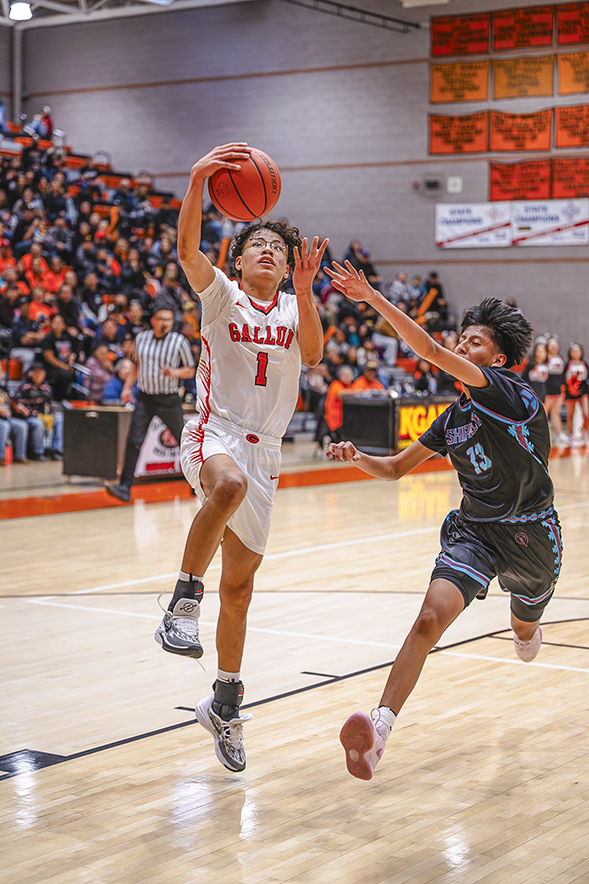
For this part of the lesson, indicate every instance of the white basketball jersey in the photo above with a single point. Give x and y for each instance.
(250, 359)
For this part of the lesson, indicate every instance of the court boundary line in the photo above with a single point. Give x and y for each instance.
(84, 753)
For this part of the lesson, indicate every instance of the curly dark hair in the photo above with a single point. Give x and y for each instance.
(290, 235)
(508, 328)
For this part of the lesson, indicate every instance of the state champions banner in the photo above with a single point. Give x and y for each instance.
(465, 134)
(463, 81)
(519, 28)
(478, 225)
(460, 34)
(573, 73)
(572, 23)
(572, 126)
(570, 177)
(550, 222)
(523, 77)
(520, 181)
(521, 131)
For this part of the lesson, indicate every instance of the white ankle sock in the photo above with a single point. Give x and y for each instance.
(186, 577)
(388, 716)
(227, 677)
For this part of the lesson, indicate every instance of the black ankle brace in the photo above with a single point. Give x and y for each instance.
(228, 698)
(187, 589)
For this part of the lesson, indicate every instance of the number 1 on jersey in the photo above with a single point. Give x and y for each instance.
(261, 379)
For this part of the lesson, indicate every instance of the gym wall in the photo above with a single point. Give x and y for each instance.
(342, 108)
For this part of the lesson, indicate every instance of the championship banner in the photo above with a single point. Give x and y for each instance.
(521, 131)
(520, 181)
(465, 81)
(552, 222)
(572, 126)
(572, 23)
(460, 34)
(518, 28)
(573, 73)
(160, 452)
(570, 178)
(414, 420)
(473, 226)
(467, 134)
(523, 77)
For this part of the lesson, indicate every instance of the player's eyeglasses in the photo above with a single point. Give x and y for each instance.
(275, 245)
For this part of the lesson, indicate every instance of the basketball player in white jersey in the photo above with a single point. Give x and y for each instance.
(254, 338)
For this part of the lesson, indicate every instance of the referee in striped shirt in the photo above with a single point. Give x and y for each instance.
(161, 358)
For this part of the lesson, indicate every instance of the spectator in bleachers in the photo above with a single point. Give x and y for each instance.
(60, 239)
(338, 390)
(114, 387)
(111, 334)
(134, 316)
(100, 368)
(133, 277)
(171, 293)
(91, 295)
(424, 379)
(399, 291)
(368, 381)
(14, 428)
(54, 278)
(59, 354)
(42, 307)
(54, 200)
(35, 394)
(8, 305)
(26, 335)
(7, 259)
(69, 308)
(360, 260)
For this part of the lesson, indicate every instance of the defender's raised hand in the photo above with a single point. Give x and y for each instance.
(350, 282)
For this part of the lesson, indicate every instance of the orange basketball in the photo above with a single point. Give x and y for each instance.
(250, 193)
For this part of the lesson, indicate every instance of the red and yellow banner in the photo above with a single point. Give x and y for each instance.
(460, 34)
(523, 77)
(572, 23)
(520, 181)
(573, 73)
(414, 420)
(570, 178)
(467, 134)
(572, 126)
(517, 28)
(521, 131)
(464, 81)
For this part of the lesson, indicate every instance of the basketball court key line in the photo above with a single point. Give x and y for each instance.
(319, 638)
(271, 556)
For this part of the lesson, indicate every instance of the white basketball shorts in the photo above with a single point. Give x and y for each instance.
(257, 456)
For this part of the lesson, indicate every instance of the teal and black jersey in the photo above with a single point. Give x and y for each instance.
(499, 442)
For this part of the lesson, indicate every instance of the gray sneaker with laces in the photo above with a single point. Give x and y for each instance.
(227, 732)
(178, 631)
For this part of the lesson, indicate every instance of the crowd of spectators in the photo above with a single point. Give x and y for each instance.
(86, 254)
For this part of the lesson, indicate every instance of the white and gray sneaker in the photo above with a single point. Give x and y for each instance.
(228, 735)
(178, 631)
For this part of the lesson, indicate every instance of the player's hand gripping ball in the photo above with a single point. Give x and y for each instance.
(250, 193)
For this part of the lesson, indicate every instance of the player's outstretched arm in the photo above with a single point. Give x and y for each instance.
(355, 286)
(389, 468)
(197, 267)
(310, 334)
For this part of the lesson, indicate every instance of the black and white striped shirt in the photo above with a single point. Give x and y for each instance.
(152, 354)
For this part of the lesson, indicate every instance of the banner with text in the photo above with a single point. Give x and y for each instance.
(520, 181)
(160, 452)
(570, 177)
(550, 222)
(518, 28)
(467, 134)
(480, 225)
(573, 73)
(460, 34)
(572, 126)
(521, 131)
(572, 23)
(465, 81)
(523, 77)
